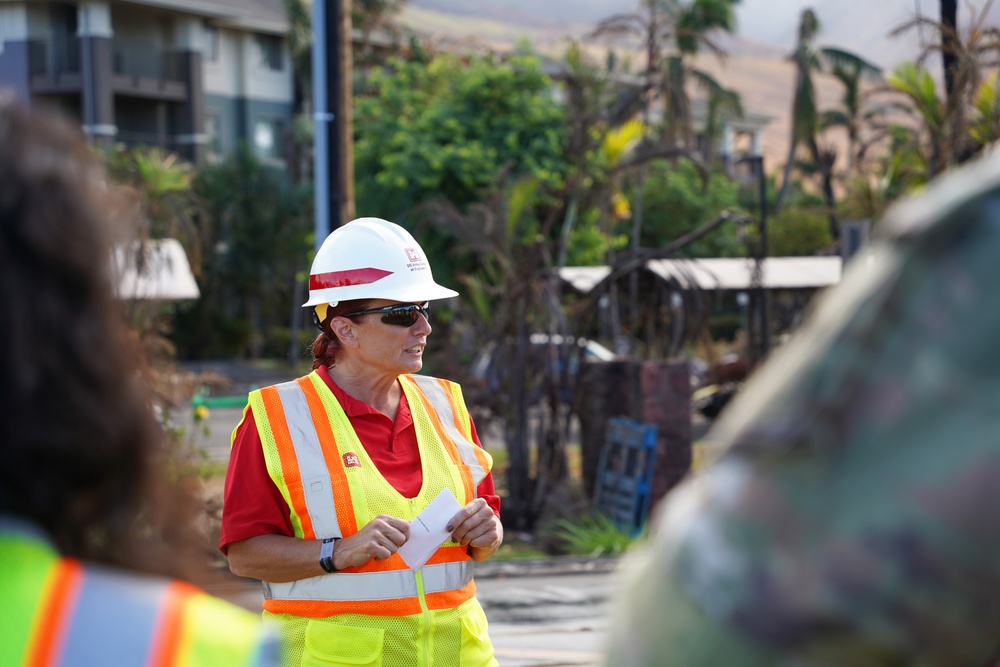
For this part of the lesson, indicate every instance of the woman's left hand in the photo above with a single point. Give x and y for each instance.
(477, 527)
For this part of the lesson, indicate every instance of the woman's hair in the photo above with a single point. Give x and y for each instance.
(326, 346)
(81, 449)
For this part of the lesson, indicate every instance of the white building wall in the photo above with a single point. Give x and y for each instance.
(13, 23)
(224, 76)
(261, 82)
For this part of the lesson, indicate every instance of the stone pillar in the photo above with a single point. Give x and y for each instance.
(98, 109)
(605, 390)
(755, 146)
(15, 58)
(665, 387)
(652, 392)
(189, 121)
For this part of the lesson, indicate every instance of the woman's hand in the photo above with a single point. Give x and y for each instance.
(380, 539)
(477, 527)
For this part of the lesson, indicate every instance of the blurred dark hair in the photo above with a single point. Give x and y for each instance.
(326, 346)
(81, 449)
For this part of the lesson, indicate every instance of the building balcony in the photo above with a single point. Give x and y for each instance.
(148, 72)
(56, 66)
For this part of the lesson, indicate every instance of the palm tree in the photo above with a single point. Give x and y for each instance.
(671, 32)
(966, 55)
(850, 70)
(805, 118)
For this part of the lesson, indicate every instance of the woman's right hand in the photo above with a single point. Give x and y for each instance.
(379, 539)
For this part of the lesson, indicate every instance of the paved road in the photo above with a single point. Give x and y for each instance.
(544, 620)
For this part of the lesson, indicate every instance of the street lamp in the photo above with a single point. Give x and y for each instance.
(757, 288)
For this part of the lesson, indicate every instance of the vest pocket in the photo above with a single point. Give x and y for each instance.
(332, 645)
(477, 649)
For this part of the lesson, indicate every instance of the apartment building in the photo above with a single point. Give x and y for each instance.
(194, 76)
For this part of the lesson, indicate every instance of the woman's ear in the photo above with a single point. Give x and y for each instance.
(344, 330)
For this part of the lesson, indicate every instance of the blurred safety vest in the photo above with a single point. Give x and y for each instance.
(59, 612)
(379, 613)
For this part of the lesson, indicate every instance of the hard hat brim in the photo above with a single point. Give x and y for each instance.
(406, 294)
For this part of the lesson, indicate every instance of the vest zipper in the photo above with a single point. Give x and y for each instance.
(425, 654)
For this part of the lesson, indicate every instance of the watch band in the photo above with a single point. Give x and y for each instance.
(326, 555)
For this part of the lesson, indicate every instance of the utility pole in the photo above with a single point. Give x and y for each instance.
(332, 101)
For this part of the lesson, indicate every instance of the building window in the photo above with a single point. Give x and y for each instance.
(211, 43)
(267, 138)
(270, 52)
(213, 130)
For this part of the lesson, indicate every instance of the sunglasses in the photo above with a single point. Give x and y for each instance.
(400, 315)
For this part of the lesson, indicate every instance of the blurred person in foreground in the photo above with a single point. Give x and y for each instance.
(83, 509)
(328, 471)
(852, 519)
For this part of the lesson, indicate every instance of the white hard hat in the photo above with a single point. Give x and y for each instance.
(371, 258)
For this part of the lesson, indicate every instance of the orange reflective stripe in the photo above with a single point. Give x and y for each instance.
(393, 562)
(331, 452)
(449, 555)
(464, 427)
(450, 599)
(171, 638)
(323, 608)
(48, 629)
(289, 463)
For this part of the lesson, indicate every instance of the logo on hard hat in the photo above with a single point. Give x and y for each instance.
(413, 255)
(351, 460)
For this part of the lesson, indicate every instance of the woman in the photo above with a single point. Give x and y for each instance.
(328, 471)
(84, 508)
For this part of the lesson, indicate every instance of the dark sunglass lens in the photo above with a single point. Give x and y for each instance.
(402, 316)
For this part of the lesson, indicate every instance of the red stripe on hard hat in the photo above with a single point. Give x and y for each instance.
(346, 278)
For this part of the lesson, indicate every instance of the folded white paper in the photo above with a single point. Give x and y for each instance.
(429, 530)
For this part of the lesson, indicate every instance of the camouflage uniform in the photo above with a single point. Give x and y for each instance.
(853, 519)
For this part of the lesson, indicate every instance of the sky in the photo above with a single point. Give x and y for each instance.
(861, 26)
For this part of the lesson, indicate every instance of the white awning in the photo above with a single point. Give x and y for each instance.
(728, 273)
(162, 272)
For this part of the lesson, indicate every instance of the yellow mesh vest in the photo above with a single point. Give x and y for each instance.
(62, 612)
(427, 624)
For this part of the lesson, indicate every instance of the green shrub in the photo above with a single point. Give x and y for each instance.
(591, 535)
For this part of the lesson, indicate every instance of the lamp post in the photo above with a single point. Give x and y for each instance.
(757, 289)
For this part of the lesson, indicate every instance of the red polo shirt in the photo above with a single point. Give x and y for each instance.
(252, 503)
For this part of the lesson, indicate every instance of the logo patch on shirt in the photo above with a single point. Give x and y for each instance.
(351, 460)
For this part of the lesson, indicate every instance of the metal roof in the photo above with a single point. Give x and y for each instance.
(729, 273)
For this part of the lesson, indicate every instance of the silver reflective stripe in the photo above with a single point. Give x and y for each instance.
(345, 587)
(316, 483)
(115, 619)
(439, 401)
(447, 576)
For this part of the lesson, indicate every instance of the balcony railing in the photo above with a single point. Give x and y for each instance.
(54, 57)
(146, 63)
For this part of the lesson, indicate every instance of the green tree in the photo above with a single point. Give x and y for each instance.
(678, 201)
(258, 228)
(797, 232)
(448, 130)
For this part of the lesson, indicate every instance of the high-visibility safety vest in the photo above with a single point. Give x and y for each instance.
(59, 612)
(381, 613)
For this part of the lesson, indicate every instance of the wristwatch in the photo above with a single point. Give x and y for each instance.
(326, 555)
